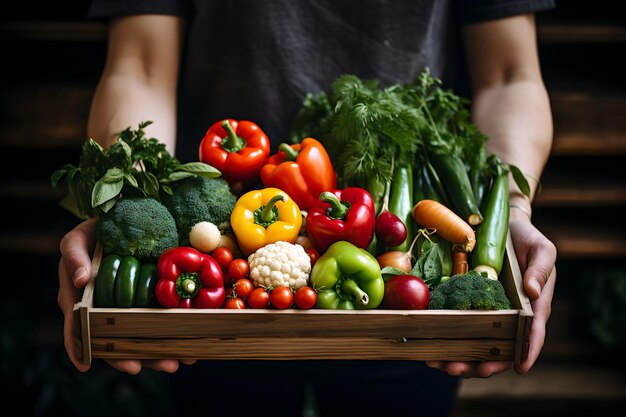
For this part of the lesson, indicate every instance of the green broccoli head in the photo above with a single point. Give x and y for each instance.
(198, 199)
(141, 227)
(471, 291)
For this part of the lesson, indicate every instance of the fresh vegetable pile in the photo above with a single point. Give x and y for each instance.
(386, 198)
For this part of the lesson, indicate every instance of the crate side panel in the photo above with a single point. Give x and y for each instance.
(307, 348)
(313, 323)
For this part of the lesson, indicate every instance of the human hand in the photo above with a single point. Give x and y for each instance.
(536, 256)
(74, 273)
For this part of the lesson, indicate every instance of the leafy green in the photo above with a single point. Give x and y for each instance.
(363, 125)
(133, 166)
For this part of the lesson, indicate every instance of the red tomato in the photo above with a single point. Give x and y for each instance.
(235, 303)
(281, 297)
(238, 269)
(259, 298)
(305, 297)
(313, 254)
(243, 287)
(223, 256)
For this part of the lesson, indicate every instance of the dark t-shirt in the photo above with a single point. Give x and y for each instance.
(256, 60)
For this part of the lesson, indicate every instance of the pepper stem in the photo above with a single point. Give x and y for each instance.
(338, 209)
(232, 142)
(267, 215)
(350, 286)
(188, 284)
(290, 152)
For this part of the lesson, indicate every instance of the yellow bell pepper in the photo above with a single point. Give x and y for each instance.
(261, 217)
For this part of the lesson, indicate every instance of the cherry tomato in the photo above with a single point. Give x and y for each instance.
(313, 254)
(305, 297)
(224, 256)
(235, 303)
(281, 297)
(259, 298)
(243, 287)
(238, 269)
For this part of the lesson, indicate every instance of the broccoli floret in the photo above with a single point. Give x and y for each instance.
(141, 227)
(471, 291)
(198, 199)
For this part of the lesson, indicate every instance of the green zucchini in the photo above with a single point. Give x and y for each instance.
(401, 197)
(491, 235)
(455, 178)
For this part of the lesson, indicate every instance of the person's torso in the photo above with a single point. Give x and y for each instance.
(256, 60)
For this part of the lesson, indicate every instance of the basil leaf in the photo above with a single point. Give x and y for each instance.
(108, 205)
(113, 175)
(177, 176)
(131, 180)
(105, 191)
(520, 180)
(200, 168)
(149, 184)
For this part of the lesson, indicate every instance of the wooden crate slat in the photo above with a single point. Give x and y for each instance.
(271, 323)
(304, 348)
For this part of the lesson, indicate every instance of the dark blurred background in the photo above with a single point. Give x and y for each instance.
(52, 60)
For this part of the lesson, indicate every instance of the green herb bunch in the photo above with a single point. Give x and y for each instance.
(133, 166)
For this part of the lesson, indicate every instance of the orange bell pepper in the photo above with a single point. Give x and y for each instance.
(302, 170)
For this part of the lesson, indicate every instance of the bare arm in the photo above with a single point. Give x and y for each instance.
(510, 102)
(138, 84)
(139, 79)
(511, 106)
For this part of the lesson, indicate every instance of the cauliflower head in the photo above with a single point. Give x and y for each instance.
(280, 263)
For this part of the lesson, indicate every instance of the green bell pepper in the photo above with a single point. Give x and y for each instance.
(122, 281)
(347, 277)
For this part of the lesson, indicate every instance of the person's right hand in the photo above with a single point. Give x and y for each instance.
(74, 273)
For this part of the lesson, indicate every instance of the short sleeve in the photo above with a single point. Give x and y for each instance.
(474, 11)
(111, 8)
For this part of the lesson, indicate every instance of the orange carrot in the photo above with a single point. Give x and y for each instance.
(459, 262)
(432, 214)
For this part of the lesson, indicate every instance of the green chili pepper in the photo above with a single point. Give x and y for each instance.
(347, 277)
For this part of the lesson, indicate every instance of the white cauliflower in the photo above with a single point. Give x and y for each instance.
(280, 263)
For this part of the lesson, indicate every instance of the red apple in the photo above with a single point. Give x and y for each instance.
(406, 292)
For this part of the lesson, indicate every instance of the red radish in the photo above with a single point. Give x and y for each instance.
(406, 292)
(390, 229)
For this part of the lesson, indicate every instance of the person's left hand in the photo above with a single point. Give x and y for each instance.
(537, 257)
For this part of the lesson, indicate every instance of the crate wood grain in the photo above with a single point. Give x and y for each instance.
(267, 334)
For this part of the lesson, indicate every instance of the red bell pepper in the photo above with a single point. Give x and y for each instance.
(302, 170)
(347, 215)
(189, 278)
(237, 148)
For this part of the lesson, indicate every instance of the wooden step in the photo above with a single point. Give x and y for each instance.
(576, 32)
(44, 116)
(54, 30)
(584, 238)
(586, 123)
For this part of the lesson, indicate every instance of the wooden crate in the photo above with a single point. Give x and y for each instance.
(153, 333)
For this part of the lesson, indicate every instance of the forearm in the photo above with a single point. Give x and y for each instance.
(510, 103)
(516, 117)
(122, 101)
(139, 81)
